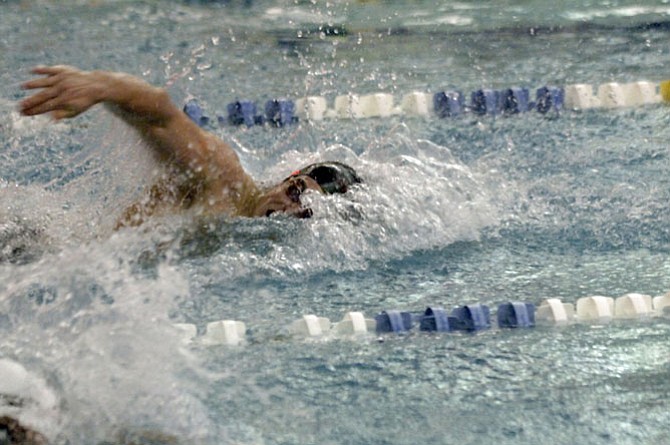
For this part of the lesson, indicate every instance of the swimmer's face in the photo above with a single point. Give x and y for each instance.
(285, 198)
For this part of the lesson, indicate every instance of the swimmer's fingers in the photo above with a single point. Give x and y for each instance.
(66, 92)
(42, 82)
(58, 108)
(52, 70)
(59, 105)
(38, 98)
(40, 103)
(51, 73)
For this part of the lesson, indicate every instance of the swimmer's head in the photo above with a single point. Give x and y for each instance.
(332, 177)
(324, 177)
(285, 198)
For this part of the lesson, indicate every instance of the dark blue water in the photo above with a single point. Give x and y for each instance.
(452, 212)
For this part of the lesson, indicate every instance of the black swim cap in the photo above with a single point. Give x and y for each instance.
(333, 177)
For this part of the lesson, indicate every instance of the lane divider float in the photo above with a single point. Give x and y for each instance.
(468, 318)
(443, 104)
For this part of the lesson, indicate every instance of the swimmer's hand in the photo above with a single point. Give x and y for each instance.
(65, 92)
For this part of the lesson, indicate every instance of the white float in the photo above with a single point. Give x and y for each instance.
(349, 107)
(224, 332)
(188, 331)
(641, 93)
(580, 97)
(417, 104)
(310, 326)
(612, 95)
(597, 308)
(311, 108)
(553, 310)
(354, 323)
(631, 306)
(661, 305)
(377, 105)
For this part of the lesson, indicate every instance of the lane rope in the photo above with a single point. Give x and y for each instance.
(598, 310)
(443, 104)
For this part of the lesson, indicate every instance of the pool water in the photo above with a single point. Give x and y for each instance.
(452, 212)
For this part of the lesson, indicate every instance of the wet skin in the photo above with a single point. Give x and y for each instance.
(203, 173)
(285, 197)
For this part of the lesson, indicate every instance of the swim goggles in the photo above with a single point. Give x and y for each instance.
(332, 177)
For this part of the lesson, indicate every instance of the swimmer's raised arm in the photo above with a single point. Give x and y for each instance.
(215, 179)
(66, 92)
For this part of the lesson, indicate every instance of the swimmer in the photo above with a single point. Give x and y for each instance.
(27, 405)
(12, 432)
(30, 413)
(203, 173)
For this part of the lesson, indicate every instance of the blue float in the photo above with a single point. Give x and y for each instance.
(434, 319)
(516, 100)
(472, 317)
(394, 321)
(516, 314)
(448, 104)
(280, 112)
(549, 99)
(243, 112)
(194, 111)
(486, 101)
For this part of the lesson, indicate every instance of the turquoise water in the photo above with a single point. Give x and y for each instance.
(452, 212)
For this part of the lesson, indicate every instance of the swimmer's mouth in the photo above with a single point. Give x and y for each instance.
(294, 191)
